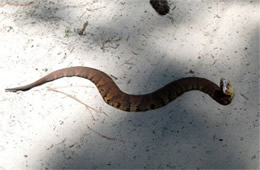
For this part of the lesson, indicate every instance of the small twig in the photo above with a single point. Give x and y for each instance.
(82, 14)
(113, 76)
(110, 40)
(126, 62)
(90, 10)
(135, 53)
(83, 28)
(102, 45)
(244, 96)
(16, 4)
(87, 106)
(52, 145)
(76, 100)
(94, 1)
(106, 137)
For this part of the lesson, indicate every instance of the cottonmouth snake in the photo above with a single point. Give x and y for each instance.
(133, 103)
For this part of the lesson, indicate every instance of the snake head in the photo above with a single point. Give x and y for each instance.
(227, 89)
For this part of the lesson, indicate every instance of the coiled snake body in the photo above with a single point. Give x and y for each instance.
(133, 103)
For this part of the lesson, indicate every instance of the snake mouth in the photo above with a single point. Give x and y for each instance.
(227, 89)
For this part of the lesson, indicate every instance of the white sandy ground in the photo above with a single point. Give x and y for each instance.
(42, 129)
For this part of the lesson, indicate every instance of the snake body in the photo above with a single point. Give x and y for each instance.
(133, 103)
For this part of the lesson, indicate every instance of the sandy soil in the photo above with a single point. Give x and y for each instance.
(143, 51)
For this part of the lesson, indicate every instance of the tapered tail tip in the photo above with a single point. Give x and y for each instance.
(11, 90)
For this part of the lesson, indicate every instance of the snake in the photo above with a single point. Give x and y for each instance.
(115, 97)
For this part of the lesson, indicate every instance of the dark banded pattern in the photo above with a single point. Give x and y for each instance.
(133, 103)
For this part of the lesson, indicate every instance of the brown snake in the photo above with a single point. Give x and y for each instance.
(133, 103)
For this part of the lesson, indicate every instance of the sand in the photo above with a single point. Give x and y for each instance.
(142, 51)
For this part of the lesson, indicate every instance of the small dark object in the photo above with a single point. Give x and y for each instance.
(83, 28)
(160, 6)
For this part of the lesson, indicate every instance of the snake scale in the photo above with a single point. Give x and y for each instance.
(134, 103)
